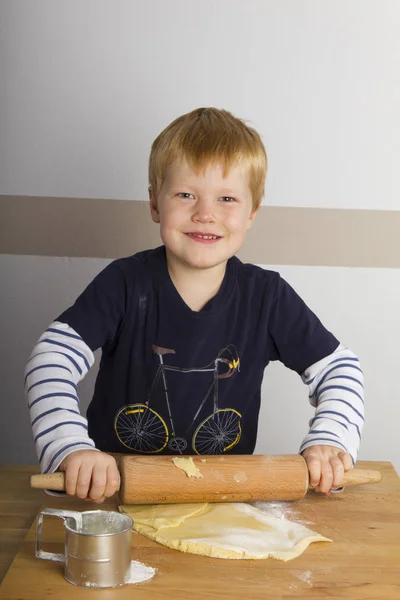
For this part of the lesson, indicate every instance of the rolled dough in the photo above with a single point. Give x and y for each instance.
(225, 530)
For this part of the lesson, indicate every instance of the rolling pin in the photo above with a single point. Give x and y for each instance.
(231, 478)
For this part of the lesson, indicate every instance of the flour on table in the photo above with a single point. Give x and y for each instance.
(50, 556)
(280, 510)
(139, 572)
(303, 576)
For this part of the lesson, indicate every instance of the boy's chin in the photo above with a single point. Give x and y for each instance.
(200, 261)
(203, 265)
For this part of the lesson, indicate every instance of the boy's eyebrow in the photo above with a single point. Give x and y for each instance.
(230, 191)
(221, 190)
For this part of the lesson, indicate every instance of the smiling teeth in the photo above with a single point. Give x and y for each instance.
(205, 237)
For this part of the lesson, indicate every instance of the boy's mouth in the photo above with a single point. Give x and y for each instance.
(204, 238)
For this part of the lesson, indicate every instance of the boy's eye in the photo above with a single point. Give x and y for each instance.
(188, 195)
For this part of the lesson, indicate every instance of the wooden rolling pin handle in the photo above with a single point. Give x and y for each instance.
(361, 477)
(52, 481)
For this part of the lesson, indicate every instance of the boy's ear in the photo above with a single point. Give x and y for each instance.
(251, 218)
(155, 214)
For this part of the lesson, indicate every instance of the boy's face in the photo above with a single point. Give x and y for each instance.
(203, 218)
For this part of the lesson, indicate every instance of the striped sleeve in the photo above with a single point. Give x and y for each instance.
(59, 360)
(336, 390)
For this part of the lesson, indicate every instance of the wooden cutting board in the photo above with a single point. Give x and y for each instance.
(362, 562)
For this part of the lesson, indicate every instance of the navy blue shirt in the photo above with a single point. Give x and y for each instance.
(172, 380)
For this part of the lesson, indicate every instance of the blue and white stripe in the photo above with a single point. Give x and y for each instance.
(336, 390)
(59, 360)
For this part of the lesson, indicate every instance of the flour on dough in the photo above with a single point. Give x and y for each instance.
(226, 530)
(187, 465)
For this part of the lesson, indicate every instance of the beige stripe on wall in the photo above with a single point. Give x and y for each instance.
(87, 227)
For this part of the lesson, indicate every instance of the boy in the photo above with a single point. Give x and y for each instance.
(186, 331)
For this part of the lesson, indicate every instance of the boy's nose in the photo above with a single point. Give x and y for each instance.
(203, 211)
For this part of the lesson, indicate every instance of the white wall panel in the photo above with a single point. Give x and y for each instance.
(360, 306)
(86, 87)
(35, 290)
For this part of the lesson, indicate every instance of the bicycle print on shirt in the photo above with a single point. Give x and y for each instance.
(143, 430)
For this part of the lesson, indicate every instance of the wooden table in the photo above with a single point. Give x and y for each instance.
(363, 562)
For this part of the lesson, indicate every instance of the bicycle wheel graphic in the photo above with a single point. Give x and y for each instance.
(218, 433)
(140, 428)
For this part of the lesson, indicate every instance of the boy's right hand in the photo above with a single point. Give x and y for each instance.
(90, 475)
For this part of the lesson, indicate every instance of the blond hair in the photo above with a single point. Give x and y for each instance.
(207, 136)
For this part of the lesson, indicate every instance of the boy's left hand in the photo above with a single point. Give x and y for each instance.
(326, 467)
